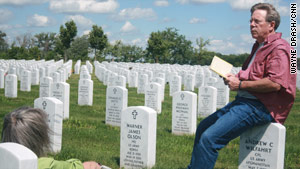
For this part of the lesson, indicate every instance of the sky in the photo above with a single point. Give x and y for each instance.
(225, 23)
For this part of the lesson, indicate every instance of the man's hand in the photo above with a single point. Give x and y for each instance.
(91, 165)
(232, 82)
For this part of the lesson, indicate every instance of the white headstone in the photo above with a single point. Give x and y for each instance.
(77, 67)
(56, 76)
(199, 79)
(35, 77)
(207, 75)
(153, 96)
(89, 66)
(189, 84)
(175, 84)
(12, 70)
(17, 156)
(298, 80)
(133, 79)
(223, 92)
(120, 81)
(25, 84)
(184, 113)
(2, 74)
(138, 137)
(85, 75)
(85, 92)
(46, 84)
(142, 83)
(263, 147)
(61, 91)
(54, 109)
(207, 100)
(116, 102)
(212, 81)
(11, 86)
(42, 72)
(160, 81)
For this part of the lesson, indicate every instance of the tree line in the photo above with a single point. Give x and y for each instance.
(167, 46)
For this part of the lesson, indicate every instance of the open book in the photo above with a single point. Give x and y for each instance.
(220, 66)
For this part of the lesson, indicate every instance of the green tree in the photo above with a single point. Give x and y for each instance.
(67, 35)
(79, 48)
(157, 46)
(131, 53)
(201, 51)
(169, 46)
(3, 44)
(97, 39)
(116, 50)
(34, 53)
(45, 42)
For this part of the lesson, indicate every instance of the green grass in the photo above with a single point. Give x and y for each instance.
(86, 137)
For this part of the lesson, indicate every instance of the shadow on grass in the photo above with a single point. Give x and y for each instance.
(117, 160)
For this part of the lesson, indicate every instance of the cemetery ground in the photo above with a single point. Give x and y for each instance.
(87, 137)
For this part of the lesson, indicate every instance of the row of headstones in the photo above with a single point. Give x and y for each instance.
(260, 147)
(31, 75)
(190, 79)
(59, 89)
(154, 69)
(140, 81)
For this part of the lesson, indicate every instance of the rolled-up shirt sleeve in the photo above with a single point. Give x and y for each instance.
(278, 66)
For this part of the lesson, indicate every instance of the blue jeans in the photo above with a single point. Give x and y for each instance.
(215, 131)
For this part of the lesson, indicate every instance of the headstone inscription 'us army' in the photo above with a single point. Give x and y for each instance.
(262, 147)
(138, 137)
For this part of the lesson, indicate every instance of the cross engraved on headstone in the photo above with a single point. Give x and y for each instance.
(182, 96)
(57, 86)
(151, 86)
(44, 104)
(205, 90)
(134, 113)
(115, 90)
(83, 81)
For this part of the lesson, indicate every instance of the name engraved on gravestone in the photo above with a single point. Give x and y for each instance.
(116, 102)
(262, 147)
(138, 137)
(184, 113)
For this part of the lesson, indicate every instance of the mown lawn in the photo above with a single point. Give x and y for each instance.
(86, 137)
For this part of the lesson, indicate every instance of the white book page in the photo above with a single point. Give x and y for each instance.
(220, 66)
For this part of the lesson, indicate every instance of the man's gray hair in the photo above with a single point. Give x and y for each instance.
(27, 126)
(272, 14)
